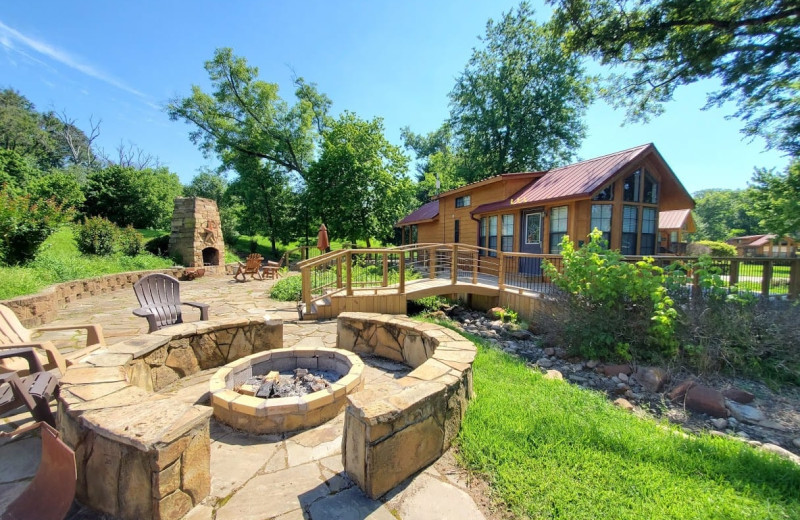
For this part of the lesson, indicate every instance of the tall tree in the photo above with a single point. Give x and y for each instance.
(519, 103)
(722, 214)
(437, 162)
(776, 200)
(751, 46)
(359, 187)
(247, 117)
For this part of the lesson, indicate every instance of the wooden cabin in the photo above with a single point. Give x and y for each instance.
(621, 194)
(764, 245)
(673, 228)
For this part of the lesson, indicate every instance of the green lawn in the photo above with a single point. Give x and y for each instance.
(553, 450)
(60, 261)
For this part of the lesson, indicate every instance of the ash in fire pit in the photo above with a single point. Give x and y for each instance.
(275, 384)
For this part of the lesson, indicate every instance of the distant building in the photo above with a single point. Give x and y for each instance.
(764, 245)
(673, 226)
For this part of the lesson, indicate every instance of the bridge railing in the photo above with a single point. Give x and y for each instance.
(392, 270)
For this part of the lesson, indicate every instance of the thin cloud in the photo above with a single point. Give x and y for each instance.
(10, 36)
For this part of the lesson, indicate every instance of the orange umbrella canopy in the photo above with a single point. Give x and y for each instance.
(322, 239)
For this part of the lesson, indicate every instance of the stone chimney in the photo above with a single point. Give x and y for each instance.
(196, 236)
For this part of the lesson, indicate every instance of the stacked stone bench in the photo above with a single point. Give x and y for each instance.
(387, 440)
(141, 454)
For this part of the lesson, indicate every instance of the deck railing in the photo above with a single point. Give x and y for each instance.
(394, 270)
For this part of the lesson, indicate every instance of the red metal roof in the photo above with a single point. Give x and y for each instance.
(428, 211)
(763, 240)
(571, 181)
(673, 219)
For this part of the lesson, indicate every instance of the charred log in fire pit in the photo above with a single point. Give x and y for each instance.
(301, 381)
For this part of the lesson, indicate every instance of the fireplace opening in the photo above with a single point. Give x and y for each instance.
(210, 256)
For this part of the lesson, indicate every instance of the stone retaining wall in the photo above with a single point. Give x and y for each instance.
(140, 454)
(387, 440)
(42, 307)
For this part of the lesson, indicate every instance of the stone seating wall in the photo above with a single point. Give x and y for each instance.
(141, 454)
(387, 440)
(42, 307)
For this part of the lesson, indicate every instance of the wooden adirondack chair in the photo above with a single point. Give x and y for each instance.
(14, 335)
(32, 391)
(252, 267)
(52, 490)
(160, 298)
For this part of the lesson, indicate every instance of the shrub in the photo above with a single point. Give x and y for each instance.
(158, 246)
(287, 289)
(24, 225)
(96, 236)
(712, 248)
(615, 309)
(130, 241)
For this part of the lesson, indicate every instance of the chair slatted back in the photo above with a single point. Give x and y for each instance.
(160, 293)
(253, 263)
(11, 330)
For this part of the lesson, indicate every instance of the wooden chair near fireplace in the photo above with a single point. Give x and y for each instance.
(251, 267)
(160, 298)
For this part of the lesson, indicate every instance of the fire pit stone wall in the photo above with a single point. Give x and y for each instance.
(389, 439)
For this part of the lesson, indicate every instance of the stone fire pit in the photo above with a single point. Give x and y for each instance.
(284, 414)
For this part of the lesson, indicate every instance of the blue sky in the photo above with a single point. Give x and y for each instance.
(122, 61)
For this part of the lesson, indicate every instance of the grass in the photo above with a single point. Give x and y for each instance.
(553, 450)
(59, 261)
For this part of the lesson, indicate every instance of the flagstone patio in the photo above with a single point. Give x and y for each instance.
(282, 476)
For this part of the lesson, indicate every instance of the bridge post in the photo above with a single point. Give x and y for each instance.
(454, 266)
(475, 257)
(306, 290)
(385, 269)
(432, 262)
(402, 267)
(501, 271)
(338, 272)
(349, 269)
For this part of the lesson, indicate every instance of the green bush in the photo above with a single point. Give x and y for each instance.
(24, 225)
(287, 289)
(130, 242)
(714, 248)
(96, 236)
(614, 309)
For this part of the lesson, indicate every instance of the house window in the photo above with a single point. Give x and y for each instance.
(630, 229)
(632, 187)
(456, 231)
(601, 219)
(673, 237)
(482, 235)
(507, 233)
(413, 234)
(650, 189)
(648, 246)
(492, 236)
(462, 202)
(606, 193)
(558, 228)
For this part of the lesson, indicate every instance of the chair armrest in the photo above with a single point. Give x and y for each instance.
(203, 309)
(54, 357)
(146, 312)
(26, 353)
(94, 333)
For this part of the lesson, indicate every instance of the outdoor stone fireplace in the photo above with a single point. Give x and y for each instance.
(236, 406)
(196, 236)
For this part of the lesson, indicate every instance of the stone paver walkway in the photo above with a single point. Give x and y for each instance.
(257, 477)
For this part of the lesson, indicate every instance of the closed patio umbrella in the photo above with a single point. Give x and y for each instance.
(322, 239)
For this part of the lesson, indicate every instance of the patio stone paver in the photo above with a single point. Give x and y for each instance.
(277, 477)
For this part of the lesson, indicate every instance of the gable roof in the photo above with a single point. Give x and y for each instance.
(673, 219)
(425, 213)
(491, 180)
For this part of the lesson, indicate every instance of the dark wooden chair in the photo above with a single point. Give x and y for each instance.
(160, 298)
(32, 391)
(251, 267)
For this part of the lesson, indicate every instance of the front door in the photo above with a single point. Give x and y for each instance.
(531, 242)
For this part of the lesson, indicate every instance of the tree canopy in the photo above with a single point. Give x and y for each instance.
(776, 200)
(519, 103)
(752, 47)
(723, 213)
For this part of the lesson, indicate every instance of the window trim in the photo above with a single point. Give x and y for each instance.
(489, 236)
(555, 236)
(463, 201)
(503, 236)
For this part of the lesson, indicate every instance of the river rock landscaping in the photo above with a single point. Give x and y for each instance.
(739, 408)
